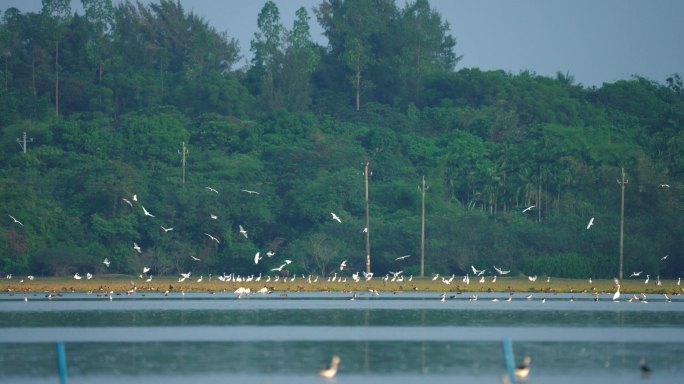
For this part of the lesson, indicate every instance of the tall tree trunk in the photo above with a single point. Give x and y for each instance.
(161, 79)
(358, 88)
(6, 71)
(33, 76)
(57, 78)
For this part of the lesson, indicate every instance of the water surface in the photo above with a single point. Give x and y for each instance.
(399, 338)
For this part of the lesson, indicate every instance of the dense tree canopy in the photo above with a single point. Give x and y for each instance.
(109, 99)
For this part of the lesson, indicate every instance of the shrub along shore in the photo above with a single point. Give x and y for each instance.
(129, 284)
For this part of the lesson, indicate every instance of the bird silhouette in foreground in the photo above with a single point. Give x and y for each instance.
(330, 371)
(645, 370)
(523, 370)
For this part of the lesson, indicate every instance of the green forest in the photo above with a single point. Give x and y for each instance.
(127, 120)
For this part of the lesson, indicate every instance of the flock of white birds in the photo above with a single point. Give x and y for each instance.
(396, 276)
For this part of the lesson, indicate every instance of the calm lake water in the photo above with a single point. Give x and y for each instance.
(397, 338)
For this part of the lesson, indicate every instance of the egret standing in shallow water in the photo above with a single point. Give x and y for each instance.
(331, 370)
(616, 295)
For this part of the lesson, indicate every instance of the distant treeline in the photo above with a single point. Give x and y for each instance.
(148, 101)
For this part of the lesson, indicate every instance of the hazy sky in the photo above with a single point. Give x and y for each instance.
(595, 41)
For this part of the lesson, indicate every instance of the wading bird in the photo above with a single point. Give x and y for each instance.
(523, 370)
(501, 272)
(636, 274)
(645, 370)
(257, 258)
(106, 262)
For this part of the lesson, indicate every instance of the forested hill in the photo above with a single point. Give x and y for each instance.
(133, 106)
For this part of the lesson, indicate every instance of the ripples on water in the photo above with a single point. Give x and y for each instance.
(405, 338)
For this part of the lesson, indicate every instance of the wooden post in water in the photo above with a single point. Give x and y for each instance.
(509, 359)
(61, 362)
(422, 232)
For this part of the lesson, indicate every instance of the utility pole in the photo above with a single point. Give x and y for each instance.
(22, 142)
(368, 268)
(422, 232)
(622, 220)
(183, 152)
(57, 77)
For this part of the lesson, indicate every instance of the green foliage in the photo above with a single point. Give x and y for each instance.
(138, 82)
